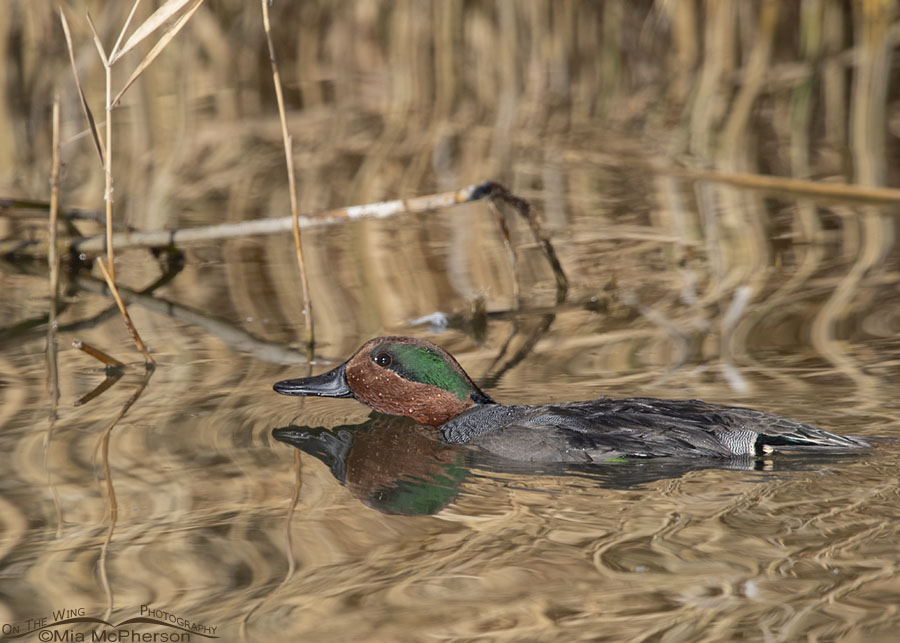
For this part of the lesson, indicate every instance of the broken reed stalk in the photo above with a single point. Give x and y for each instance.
(151, 363)
(97, 354)
(292, 184)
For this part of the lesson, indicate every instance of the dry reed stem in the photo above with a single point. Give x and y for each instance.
(97, 354)
(52, 254)
(84, 104)
(843, 191)
(292, 184)
(125, 316)
(52, 364)
(836, 191)
(107, 164)
(156, 19)
(107, 161)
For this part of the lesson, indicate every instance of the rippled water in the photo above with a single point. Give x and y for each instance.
(168, 496)
(375, 529)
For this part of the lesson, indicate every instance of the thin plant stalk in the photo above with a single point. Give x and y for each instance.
(107, 170)
(52, 251)
(151, 363)
(292, 186)
(52, 366)
(107, 159)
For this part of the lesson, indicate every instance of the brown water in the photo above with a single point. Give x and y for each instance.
(375, 530)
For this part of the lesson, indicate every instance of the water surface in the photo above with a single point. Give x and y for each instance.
(376, 531)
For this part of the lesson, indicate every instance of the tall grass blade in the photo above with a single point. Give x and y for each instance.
(150, 25)
(97, 42)
(84, 104)
(114, 54)
(157, 49)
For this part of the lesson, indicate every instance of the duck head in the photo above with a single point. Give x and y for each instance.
(397, 376)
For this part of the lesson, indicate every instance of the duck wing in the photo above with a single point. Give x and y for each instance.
(653, 428)
(636, 427)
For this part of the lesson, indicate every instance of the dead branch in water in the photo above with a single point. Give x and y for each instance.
(500, 195)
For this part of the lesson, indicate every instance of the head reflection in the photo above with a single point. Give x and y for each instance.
(390, 463)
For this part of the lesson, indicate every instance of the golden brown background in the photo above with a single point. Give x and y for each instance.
(598, 113)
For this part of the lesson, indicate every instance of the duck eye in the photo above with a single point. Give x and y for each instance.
(383, 359)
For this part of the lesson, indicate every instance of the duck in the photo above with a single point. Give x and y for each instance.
(411, 377)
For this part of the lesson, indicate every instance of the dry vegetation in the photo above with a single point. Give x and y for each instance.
(616, 119)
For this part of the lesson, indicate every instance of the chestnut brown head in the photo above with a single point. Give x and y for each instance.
(398, 376)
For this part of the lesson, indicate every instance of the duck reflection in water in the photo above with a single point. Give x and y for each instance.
(390, 463)
(396, 466)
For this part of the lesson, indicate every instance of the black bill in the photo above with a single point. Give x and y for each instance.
(330, 384)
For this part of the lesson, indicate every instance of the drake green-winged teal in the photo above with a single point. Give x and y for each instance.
(415, 378)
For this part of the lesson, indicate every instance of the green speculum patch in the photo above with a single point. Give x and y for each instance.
(421, 364)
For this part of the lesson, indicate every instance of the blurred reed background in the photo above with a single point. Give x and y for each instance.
(571, 104)
(680, 287)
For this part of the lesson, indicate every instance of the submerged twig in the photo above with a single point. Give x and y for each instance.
(125, 316)
(292, 183)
